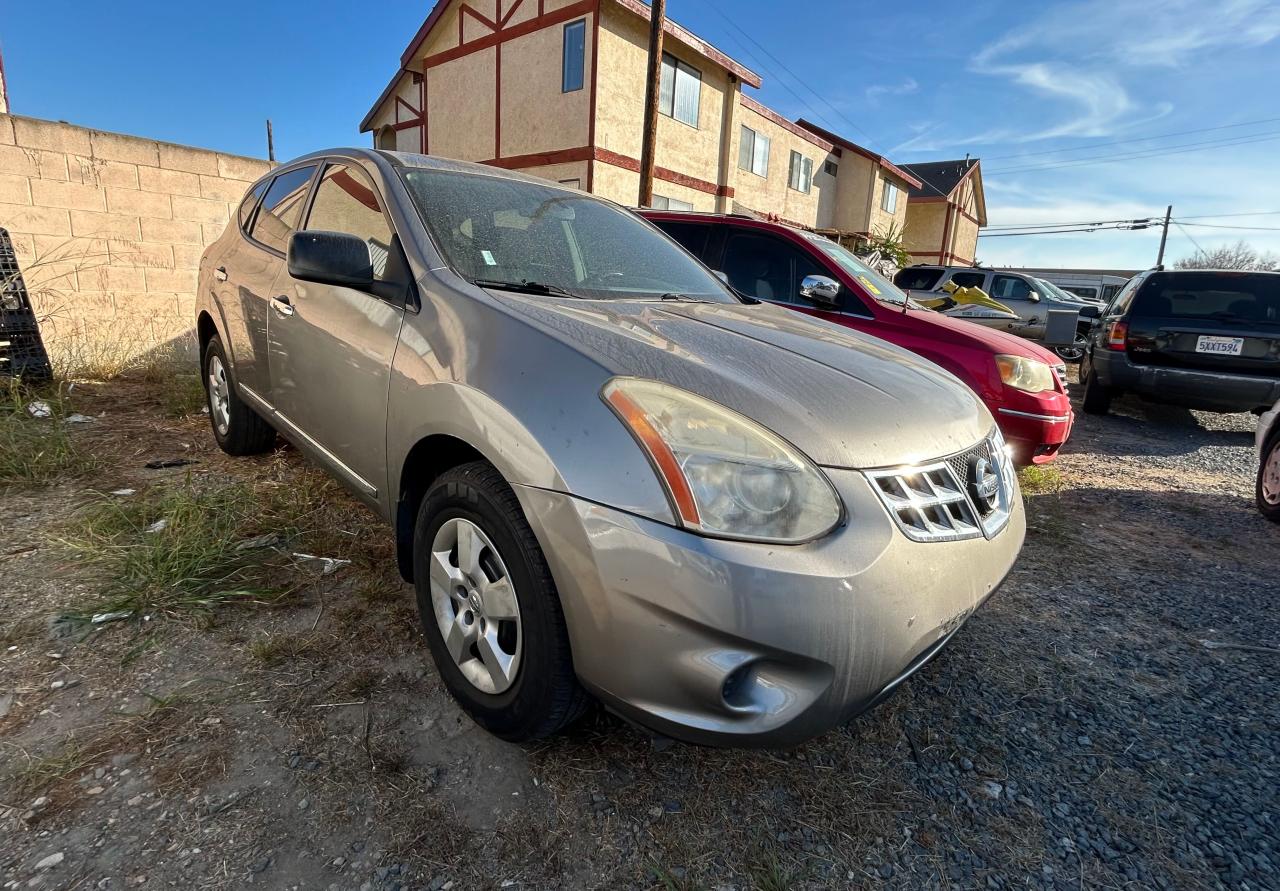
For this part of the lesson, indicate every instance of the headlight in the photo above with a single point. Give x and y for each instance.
(725, 474)
(1025, 374)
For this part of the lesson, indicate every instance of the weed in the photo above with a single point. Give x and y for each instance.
(36, 451)
(1039, 479)
(271, 650)
(179, 548)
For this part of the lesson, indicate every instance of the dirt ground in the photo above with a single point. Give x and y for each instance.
(1108, 720)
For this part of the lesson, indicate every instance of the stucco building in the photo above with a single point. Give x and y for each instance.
(555, 88)
(945, 212)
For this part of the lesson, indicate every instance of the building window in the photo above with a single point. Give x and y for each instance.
(753, 152)
(801, 172)
(830, 168)
(575, 54)
(571, 183)
(889, 197)
(681, 90)
(662, 202)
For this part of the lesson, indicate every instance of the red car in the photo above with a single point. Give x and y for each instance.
(1020, 383)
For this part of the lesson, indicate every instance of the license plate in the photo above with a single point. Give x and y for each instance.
(1223, 346)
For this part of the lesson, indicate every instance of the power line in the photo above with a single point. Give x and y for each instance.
(1189, 236)
(1015, 226)
(781, 65)
(1096, 145)
(1209, 216)
(1172, 150)
(1082, 231)
(1251, 228)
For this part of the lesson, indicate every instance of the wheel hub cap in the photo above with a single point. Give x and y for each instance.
(475, 606)
(219, 395)
(1271, 476)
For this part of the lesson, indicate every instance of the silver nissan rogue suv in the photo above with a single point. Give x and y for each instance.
(607, 473)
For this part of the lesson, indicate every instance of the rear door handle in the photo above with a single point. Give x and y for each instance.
(220, 273)
(282, 305)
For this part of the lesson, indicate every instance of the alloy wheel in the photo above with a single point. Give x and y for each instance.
(219, 395)
(1271, 475)
(475, 606)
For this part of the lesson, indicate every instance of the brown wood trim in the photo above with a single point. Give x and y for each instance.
(503, 19)
(604, 156)
(422, 98)
(770, 115)
(415, 113)
(691, 40)
(497, 101)
(483, 20)
(564, 14)
(406, 125)
(540, 159)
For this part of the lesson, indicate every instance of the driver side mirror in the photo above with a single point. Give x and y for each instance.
(1034, 296)
(820, 289)
(331, 258)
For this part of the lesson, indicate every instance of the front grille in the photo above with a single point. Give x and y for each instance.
(939, 501)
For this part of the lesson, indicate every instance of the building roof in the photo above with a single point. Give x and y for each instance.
(843, 143)
(940, 177)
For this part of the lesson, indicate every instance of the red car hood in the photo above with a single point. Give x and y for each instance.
(998, 341)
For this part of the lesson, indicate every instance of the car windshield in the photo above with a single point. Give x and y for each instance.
(876, 284)
(1237, 298)
(1052, 290)
(499, 232)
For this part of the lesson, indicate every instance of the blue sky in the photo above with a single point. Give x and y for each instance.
(1035, 89)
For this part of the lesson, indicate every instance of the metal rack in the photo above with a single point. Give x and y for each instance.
(22, 352)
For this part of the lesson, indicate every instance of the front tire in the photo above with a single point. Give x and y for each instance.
(1097, 398)
(490, 609)
(1268, 486)
(238, 429)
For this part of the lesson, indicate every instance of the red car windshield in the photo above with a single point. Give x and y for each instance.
(875, 284)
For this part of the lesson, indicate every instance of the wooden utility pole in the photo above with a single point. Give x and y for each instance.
(1164, 234)
(653, 87)
(271, 143)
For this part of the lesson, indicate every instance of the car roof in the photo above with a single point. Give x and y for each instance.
(710, 216)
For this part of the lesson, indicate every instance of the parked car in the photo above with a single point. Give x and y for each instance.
(1268, 489)
(1029, 297)
(1093, 286)
(1022, 384)
(606, 472)
(1204, 339)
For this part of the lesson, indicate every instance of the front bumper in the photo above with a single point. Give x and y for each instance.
(744, 644)
(1202, 390)
(1036, 431)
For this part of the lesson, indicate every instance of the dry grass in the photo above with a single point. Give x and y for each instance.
(1041, 479)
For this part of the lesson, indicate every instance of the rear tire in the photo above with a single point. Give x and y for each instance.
(541, 694)
(1269, 478)
(1097, 398)
(238, 429)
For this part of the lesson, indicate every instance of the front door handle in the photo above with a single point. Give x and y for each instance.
(220, 273)
(282, 305)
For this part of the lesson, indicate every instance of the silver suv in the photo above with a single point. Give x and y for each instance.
(1029, 297)
(608, 475)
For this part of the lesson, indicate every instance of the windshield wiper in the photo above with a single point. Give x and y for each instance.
(683, 298)
(525, 287)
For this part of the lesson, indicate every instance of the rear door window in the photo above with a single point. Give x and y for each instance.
(346, 201)
(768, 268)
(281, 208)
(691, 236)
(249, 204)
(1228, 298)
(969, 279)
(917, 279)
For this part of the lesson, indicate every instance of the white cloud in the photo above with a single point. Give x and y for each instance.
(1104, 42)
(907, 87)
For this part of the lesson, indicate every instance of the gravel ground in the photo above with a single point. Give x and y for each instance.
(1108, 720)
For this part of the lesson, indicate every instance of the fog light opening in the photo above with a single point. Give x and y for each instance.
(737, 688)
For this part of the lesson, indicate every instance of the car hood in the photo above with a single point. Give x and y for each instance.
(845, 399)
(997, 341)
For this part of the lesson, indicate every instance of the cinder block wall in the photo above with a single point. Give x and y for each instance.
(109, 230)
